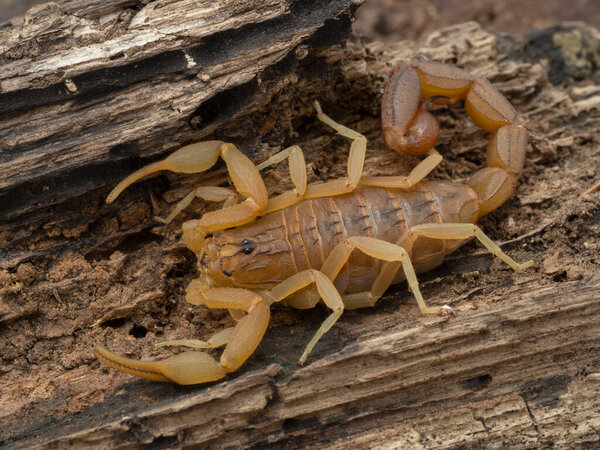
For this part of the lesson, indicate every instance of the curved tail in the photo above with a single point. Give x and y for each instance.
(409, 128)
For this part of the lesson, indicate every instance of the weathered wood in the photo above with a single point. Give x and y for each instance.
(508, 374)
(520, 354)
(86, 86)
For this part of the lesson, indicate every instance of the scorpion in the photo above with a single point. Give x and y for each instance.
(342, 241)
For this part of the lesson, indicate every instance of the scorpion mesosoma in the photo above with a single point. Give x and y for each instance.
(299, 247)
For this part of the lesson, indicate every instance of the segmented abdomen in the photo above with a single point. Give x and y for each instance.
(315, 227)
(276, 246)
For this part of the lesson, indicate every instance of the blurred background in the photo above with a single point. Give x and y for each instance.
(12, 8)
(416, 19)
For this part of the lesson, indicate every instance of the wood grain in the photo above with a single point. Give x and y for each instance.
(504, 375)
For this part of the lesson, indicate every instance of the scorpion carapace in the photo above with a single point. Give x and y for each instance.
(298, 247)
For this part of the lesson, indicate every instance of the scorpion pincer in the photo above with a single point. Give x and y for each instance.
(343, 241)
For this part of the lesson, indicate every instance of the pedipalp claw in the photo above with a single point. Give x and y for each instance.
(193, 158)
(183, 368)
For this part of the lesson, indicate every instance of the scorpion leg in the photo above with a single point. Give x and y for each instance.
(336, 187)
(199, 367)
(326, 290)
(404, 182)
(209, 193)
(465, 231)
(396, 256)
(358, 148)
(357, 158)
(297, 173)
(356, 163)
(297, 166)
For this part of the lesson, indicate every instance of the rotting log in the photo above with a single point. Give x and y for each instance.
(518, 364)
(509, 374)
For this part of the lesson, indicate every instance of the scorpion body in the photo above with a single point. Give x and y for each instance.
(344, 241)
(266, 252)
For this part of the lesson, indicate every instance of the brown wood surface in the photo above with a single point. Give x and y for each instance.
(515, 373)
(517, 365)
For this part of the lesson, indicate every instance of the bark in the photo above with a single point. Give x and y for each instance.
(509, 374)
(90, 91)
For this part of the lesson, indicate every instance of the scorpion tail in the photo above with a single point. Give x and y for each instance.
(409, 128)
(497, 182)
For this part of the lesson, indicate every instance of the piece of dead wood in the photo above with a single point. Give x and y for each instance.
(64, 267)
(509, 374)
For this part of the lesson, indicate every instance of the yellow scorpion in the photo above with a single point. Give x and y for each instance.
(299, 247)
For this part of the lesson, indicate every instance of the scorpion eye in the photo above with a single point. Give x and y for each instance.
(247, 246)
